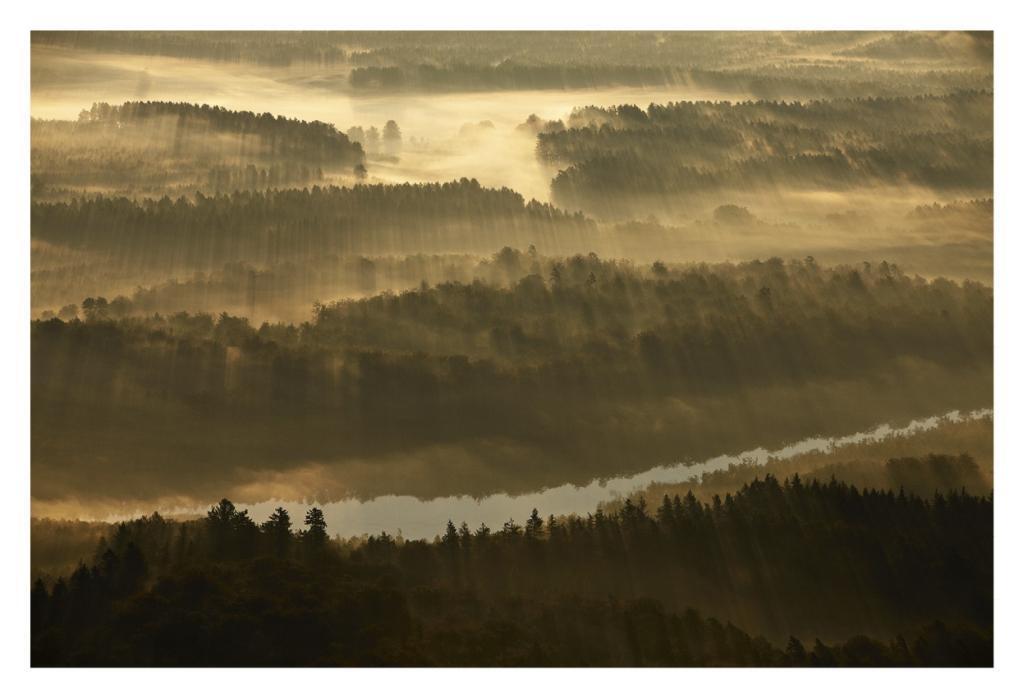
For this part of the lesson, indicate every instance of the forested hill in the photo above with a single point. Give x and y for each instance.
(851, 577)
(573, 369)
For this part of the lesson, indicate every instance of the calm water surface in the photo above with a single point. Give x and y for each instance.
(415, 518)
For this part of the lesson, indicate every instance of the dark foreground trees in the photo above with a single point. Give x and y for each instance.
(815, 574)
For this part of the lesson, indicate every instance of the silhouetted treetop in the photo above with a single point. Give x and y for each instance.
(774, 558)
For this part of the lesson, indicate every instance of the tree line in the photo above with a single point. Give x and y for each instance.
(141, 147)
(758, 64)
(813, 571)
(273, 226)
(768, 51)
(278, 48)
(282, 291)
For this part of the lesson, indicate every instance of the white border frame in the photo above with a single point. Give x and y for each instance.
(522, 14)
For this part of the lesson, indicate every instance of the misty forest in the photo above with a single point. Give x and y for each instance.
(511, 349)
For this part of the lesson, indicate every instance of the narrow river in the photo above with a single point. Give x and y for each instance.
(415, 518)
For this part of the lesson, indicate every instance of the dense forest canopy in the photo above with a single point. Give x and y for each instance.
(642, 365)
